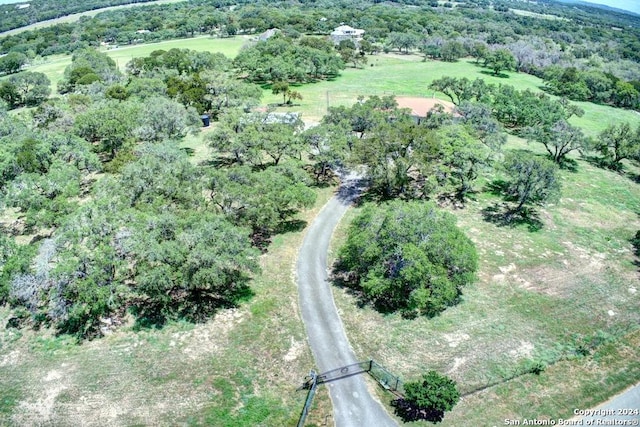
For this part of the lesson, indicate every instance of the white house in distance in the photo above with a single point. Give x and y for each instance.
(345, 32)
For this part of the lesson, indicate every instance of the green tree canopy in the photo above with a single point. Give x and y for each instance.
(532, 180)
(25, 89)
(500, 60)
(428, 398)
(619, 142)
(559, 139)
(408, 256)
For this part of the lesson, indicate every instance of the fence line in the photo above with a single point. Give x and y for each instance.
(386, 379)
(312, 383)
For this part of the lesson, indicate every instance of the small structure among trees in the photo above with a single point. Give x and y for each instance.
(345, 32)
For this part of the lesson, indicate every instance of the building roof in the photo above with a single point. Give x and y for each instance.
(346, 30)
(268, 34)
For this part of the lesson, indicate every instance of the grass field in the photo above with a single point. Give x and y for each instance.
(538, 295)
(53, 66)
(408, 75)
(391, 74)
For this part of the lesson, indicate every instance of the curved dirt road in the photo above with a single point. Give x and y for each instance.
(353, 406)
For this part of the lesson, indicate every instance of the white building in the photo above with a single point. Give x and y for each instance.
(345, 32)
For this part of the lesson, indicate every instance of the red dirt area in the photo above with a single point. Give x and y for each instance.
(421, 106)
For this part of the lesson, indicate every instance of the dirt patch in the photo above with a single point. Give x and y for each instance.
(456, 338)
(294, 351)
(457, 363)
(524, 350)
(41, 408)
(421, 106)
(206, 338)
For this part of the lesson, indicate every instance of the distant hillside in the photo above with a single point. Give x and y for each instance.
(632, 9)
(29, 12)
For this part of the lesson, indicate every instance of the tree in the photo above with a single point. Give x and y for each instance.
(350, 54)
(398, 155)
(625, 95)
(223, 92)
(401, 41)
(461, 158)
(428, 398)
(479, 117)
(88, 66)
(46, 198)
(457, 90)
(479, 51)
(452, 50)
(254, 137)
(532, 180)
(327, 148)
(500, 60)
(9, 94)
(12, 62)
(407, 256)
(109, 124)
(25, 89)
(190, 265)
(262, 200)
(559, 139)
(117, 92)
(285, 90)
(164, 119)
(619, 142)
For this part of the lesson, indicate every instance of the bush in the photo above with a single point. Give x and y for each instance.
(408, 256)
(428, 398)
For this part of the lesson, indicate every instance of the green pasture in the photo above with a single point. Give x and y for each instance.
(227, 46)
(53, 66)
(392, 74)
(409, 75)
(384, 74)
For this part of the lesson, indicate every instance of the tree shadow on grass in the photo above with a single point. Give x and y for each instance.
(188, 151)
(408, 412)
(503, 215)
(635, 242)
(290, 226)
(492, 74)
(194, 307)
(618, 168)
(569, 165)
(497, 187)
(341, 278)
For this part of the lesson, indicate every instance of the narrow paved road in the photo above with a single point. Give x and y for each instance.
(353, 406)
(622, 409)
